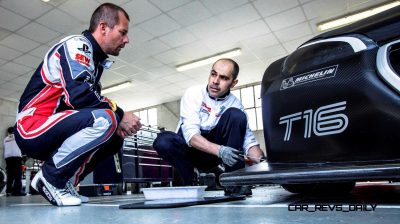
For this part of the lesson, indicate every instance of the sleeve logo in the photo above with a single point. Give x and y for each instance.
(85, 48)
(82, 59)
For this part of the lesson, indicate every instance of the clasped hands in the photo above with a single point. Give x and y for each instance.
(129, 125)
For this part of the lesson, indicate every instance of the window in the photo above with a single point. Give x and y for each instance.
(147, 116)
(250, 97)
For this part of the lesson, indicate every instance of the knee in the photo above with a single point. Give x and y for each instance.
(105, 119)
(164, 141)
(235, 115)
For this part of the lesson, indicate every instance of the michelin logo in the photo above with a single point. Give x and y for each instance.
(324, 73)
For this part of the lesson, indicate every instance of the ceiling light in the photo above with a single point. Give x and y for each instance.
(209, 60)
(355, 17)
(116, 87)
(45, 0)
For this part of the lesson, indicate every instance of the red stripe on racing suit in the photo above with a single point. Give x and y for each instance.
(67, 79)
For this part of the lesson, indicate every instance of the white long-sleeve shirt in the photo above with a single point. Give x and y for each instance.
(11, 148)
(200, 112)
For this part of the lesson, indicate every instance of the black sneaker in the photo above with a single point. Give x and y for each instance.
(238, 191)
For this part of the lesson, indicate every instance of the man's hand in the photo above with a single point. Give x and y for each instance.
(256, 155)
(129, 125)
(229, 155)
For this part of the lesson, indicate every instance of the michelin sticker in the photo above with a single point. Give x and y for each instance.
(324, 73)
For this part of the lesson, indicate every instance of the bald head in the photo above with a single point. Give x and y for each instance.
(235, 66)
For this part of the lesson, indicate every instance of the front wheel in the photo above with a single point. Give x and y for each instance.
(320, 188)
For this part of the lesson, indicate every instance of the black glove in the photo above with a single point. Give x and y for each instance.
(229, 155)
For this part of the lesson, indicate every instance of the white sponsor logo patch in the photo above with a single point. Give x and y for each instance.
(328, 72)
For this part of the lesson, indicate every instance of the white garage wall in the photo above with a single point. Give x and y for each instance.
(168, 115)
(8, 110)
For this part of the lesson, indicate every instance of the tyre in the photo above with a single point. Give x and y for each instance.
(320, 188)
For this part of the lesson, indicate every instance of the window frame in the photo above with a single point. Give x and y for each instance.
(256, 106)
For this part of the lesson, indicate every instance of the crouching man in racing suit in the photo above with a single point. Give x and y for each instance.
(213, 128)
(62, 118)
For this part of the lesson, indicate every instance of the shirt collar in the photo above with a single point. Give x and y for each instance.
(223, 97)
(98, 53)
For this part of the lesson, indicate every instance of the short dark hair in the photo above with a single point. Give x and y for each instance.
(107, 12)
(235, 71)
(10, 130)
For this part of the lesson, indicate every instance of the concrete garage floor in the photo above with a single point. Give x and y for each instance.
(269, 204)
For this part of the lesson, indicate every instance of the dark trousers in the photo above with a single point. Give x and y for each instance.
(74, 146)
(14, 175)
(229, 131)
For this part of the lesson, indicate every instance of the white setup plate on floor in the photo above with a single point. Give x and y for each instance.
(158, 193)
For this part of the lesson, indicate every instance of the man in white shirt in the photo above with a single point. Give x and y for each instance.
(13, 157)
(212, 128)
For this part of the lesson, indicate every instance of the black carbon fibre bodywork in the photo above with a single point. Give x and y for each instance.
(331, 109)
